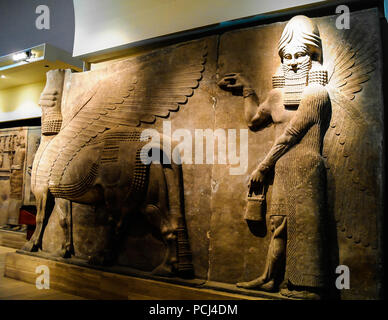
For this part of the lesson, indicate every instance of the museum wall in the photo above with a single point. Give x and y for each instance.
(132, 23)
(21, 101)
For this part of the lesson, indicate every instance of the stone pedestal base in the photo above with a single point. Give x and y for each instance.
(12, 239)
(95, 283)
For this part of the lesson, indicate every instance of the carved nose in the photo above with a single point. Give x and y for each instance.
(294, 65)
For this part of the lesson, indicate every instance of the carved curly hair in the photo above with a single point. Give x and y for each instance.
(303, 30)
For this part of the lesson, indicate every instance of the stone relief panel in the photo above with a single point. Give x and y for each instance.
(271, 140)
(134, 204)
(312, 200)
(16, 153)
(33, 141)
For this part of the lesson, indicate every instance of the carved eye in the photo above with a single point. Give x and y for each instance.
(287, 56)
(300, 54)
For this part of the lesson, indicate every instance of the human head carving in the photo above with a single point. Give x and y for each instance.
(300, 50)
(302, 33)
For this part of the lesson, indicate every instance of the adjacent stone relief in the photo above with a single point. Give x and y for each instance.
(308, 108)
(33, 141)
(14, 151)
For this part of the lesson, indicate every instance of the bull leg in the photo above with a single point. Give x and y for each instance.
(43, 212)
(107, 255)
(167, 235)
(65, 221)
(175, 216)
(156, 211)
(170, 215)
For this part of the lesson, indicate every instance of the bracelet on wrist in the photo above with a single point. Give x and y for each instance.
(263, 168)
(248, 92)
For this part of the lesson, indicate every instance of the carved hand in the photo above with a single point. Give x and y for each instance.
(257, 176)
(233, 81)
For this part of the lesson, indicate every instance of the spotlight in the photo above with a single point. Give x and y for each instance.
(2, 76)
(21, 56)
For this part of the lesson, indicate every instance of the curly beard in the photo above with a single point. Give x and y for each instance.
(295, 81)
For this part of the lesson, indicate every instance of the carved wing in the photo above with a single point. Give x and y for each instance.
(153, 87)
(349, 161)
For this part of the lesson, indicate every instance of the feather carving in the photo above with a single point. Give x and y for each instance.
(153, 86)
(350, 175)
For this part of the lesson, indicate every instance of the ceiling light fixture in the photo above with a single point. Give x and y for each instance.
(21, 56)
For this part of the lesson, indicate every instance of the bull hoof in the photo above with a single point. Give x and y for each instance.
(30, 246)
(102, 259)
(62, 253)
(163, 270)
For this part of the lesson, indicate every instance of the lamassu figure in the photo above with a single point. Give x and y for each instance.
(299, 107)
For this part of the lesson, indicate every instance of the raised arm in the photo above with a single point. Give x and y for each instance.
(256, 115)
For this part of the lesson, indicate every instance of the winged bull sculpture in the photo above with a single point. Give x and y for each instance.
(93, 155)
